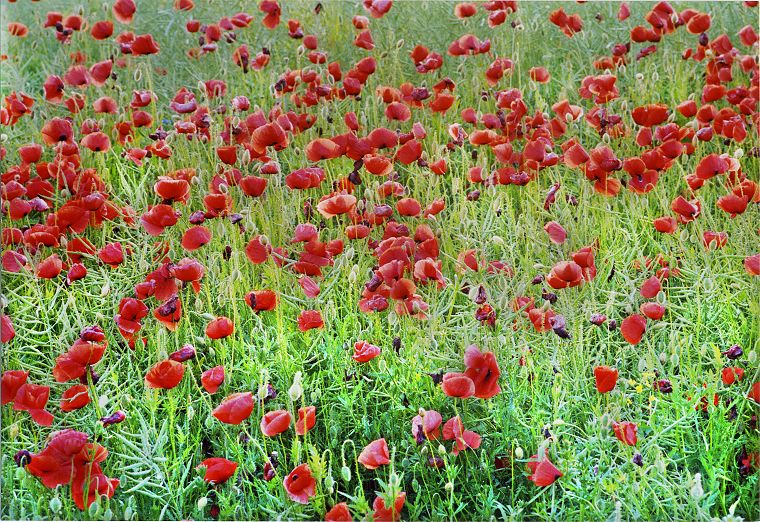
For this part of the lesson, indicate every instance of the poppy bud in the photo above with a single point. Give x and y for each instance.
(519, 453)
(638, 459)
(345, 472)
(665, 386)
(202, 503)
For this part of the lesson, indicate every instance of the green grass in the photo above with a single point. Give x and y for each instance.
(713, 305)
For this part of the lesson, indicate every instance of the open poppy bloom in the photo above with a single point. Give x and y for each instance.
(235, 408)
(33, 398)
(482, 369)
(457, 385)
(220, 328)
(310, 319)
(375, 454)
(633, 328)
(165, 375)
(463, 439)
(275, 422)
(212, 379)
(12, 381)
(426, 426)
(626, 432)
(218, 469)
(68, 458)
(339, 513)
(542, 471)
(75, 398)
(364, 351)
(300, 484)
(383, 513)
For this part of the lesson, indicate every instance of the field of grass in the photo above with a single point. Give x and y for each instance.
(695, 457)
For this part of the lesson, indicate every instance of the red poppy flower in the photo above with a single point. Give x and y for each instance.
(539, 74)
(124, 10)
(169, 313)
(483, 370)
(731, 375)
(654, 311)
(751, 265)
(332, 205)
(714, 240)
(605, 378)
(754, 392)
(131, 312)
(307, 418)
(383, 513)
(309, 319)
(633, 328)
(542, 471)
(165, 375)
(261, 300)
(364, 351)
(626, 432)
(339, 513)
(12, 381)
(565, 274)
(220, 328)
(50, 267)
(159, 217)
(218, 469)
(300, 484)
(375, 454)
(212, 378)
(33, 398)
(557, 234)
(426, 425)
(650, 115)
(57, 130)
(275, 422)
(256, 251)
(73, 364)
(235, 408)
(651, 287)
(75, 398)
(463, 439)
(665, 224)
(98, 485)
(457, 385)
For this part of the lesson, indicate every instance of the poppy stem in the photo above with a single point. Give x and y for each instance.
(94, 393)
